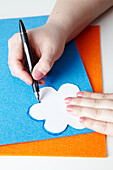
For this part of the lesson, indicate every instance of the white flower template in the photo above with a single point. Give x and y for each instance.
(52, 109)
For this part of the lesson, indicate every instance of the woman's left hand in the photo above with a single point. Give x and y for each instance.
(94, 109)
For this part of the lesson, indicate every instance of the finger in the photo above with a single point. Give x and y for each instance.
(15, 48)
(17, 70)
(95, 95)
(42, 67)
(98, 126)
(41, 82)
(93, 113)
(89, 102)
(15, 57)
(45, 76)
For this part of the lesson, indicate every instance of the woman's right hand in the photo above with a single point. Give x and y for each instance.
(47, 45)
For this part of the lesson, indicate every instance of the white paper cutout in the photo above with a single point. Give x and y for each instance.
(52, 108)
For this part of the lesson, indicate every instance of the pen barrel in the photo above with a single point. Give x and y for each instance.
(28, 55)
(27, 52)
(35, 86)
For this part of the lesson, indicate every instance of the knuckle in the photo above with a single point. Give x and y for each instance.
(11, 67)
(78, 111)
(13, 39)
(91, 124)
(46, 65)
(87, 94)
(109, 104)
(16, 35)
(74, 100)
(13, 73)
(105, 95)
(10, 62)
(97, 113)
(97, 102)
(77, 101)
(105, 126)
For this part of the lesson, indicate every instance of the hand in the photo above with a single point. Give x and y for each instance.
(46, 42)
(95, 111)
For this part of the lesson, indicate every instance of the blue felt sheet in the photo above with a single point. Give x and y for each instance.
(16, 97)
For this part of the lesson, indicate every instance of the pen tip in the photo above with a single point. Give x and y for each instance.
(38, 97)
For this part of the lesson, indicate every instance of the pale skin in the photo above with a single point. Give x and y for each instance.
(67, 20)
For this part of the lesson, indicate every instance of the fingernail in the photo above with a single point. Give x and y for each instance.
(80, 94)
(38, 75)
(70, 108)
(82, 119)
(68, 100)
(41, 82)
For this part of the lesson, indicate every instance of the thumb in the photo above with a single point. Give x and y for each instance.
(42, 67)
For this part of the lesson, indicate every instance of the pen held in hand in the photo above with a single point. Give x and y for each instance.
(28, 56)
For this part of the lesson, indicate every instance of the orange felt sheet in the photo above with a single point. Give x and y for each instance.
(88, 44)
(85, 145)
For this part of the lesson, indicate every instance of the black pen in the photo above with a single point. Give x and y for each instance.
(29, 59)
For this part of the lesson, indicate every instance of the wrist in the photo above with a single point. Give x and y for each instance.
(59, 30)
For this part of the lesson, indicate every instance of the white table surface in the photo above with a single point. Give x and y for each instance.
(21, 8)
